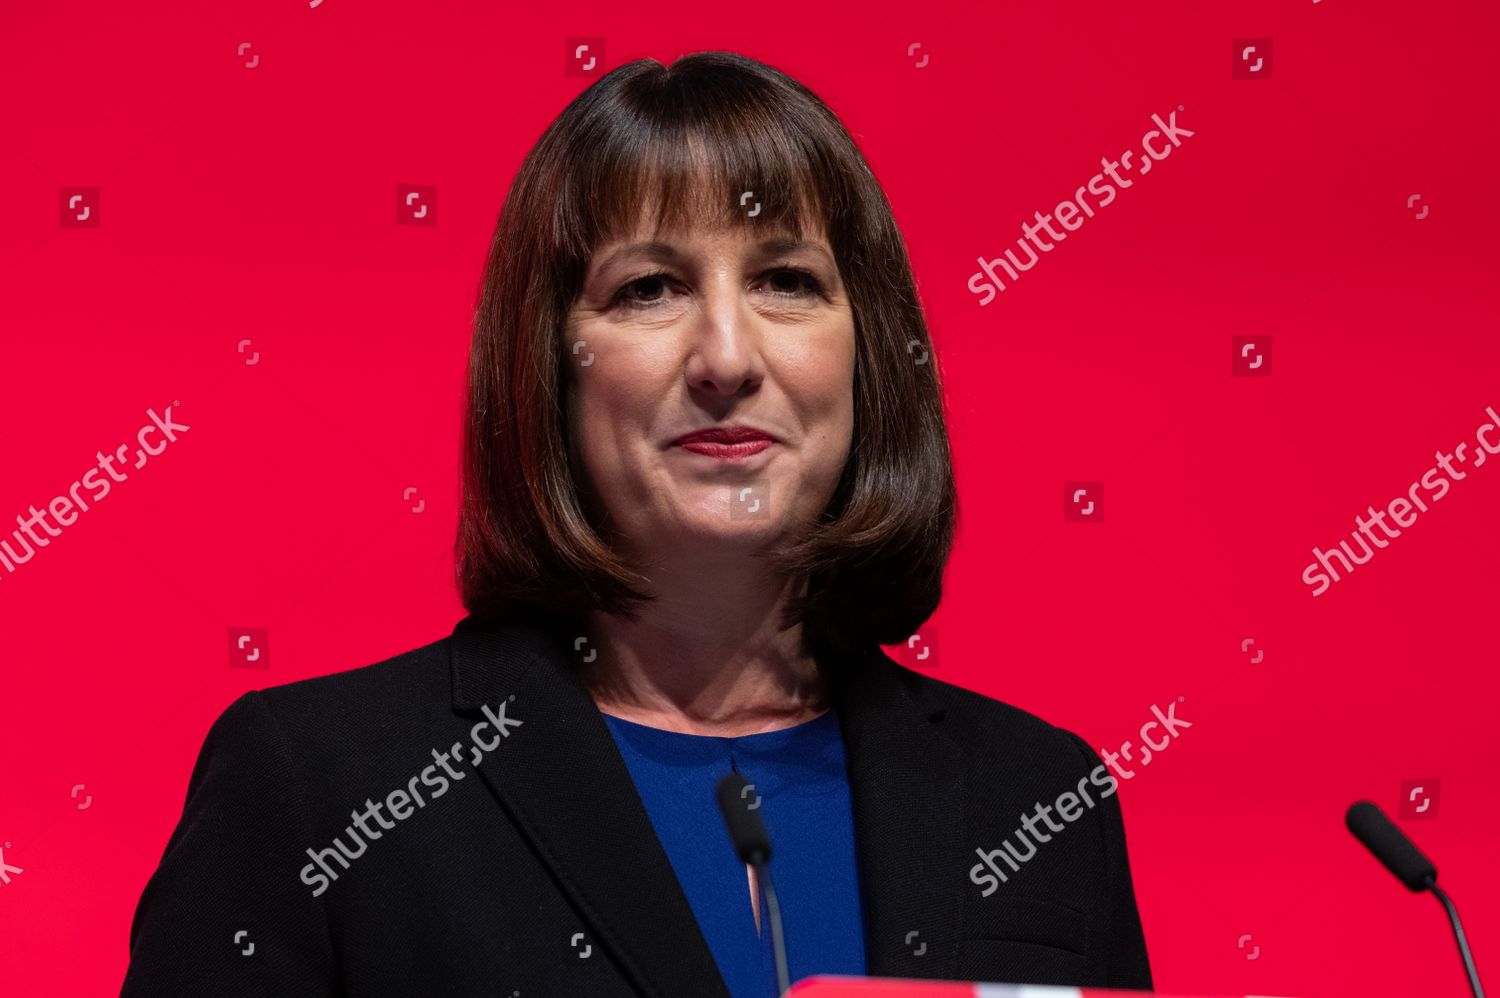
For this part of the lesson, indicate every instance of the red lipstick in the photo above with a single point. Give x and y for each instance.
(726, 442)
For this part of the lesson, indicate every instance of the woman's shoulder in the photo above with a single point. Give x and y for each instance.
(985, 726)
(390, 711)
(324, 728)
(402, 682)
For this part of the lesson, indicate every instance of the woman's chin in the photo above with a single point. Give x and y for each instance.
(726, 519)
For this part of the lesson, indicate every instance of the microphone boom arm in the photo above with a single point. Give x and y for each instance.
(1458, 934)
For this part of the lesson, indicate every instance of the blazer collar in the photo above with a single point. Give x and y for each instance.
(563, 783)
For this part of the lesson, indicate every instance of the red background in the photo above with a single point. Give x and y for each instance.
(259, 203)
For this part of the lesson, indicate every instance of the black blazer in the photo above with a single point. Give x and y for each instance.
(537, 870)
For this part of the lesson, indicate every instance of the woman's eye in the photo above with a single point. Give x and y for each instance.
(784, 282)
(651, 285)
(797, 277)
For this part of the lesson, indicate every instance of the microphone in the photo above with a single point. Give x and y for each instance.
(747, 832)
(1397, 854)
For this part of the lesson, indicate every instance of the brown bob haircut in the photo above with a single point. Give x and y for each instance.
(691, 139)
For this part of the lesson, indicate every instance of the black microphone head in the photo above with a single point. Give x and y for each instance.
(739, 804)
(1390, 845)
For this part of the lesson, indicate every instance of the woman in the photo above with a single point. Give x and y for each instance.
(706, 475)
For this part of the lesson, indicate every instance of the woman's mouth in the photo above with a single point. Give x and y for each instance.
(726, 443)
(726, 451)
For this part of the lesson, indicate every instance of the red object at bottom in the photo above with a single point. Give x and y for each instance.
(824, 986)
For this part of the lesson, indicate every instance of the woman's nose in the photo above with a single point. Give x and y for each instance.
(724, 341)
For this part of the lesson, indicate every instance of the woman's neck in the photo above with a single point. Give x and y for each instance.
(705, 658)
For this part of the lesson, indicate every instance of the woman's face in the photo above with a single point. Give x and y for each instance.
(708, 330)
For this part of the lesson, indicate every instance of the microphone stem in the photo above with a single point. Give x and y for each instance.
(1458, 934)
(778, 943)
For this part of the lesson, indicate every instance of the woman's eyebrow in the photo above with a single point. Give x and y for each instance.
(644, 250)
(776, 246)
(659, 250)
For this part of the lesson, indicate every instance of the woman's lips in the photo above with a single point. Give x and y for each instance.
(726, 451)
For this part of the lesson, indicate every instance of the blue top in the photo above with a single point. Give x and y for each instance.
(802, 780)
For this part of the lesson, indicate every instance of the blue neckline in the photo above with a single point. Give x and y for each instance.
(761, 739)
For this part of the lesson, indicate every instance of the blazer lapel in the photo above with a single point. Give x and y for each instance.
(907, 790)
(560, 777)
